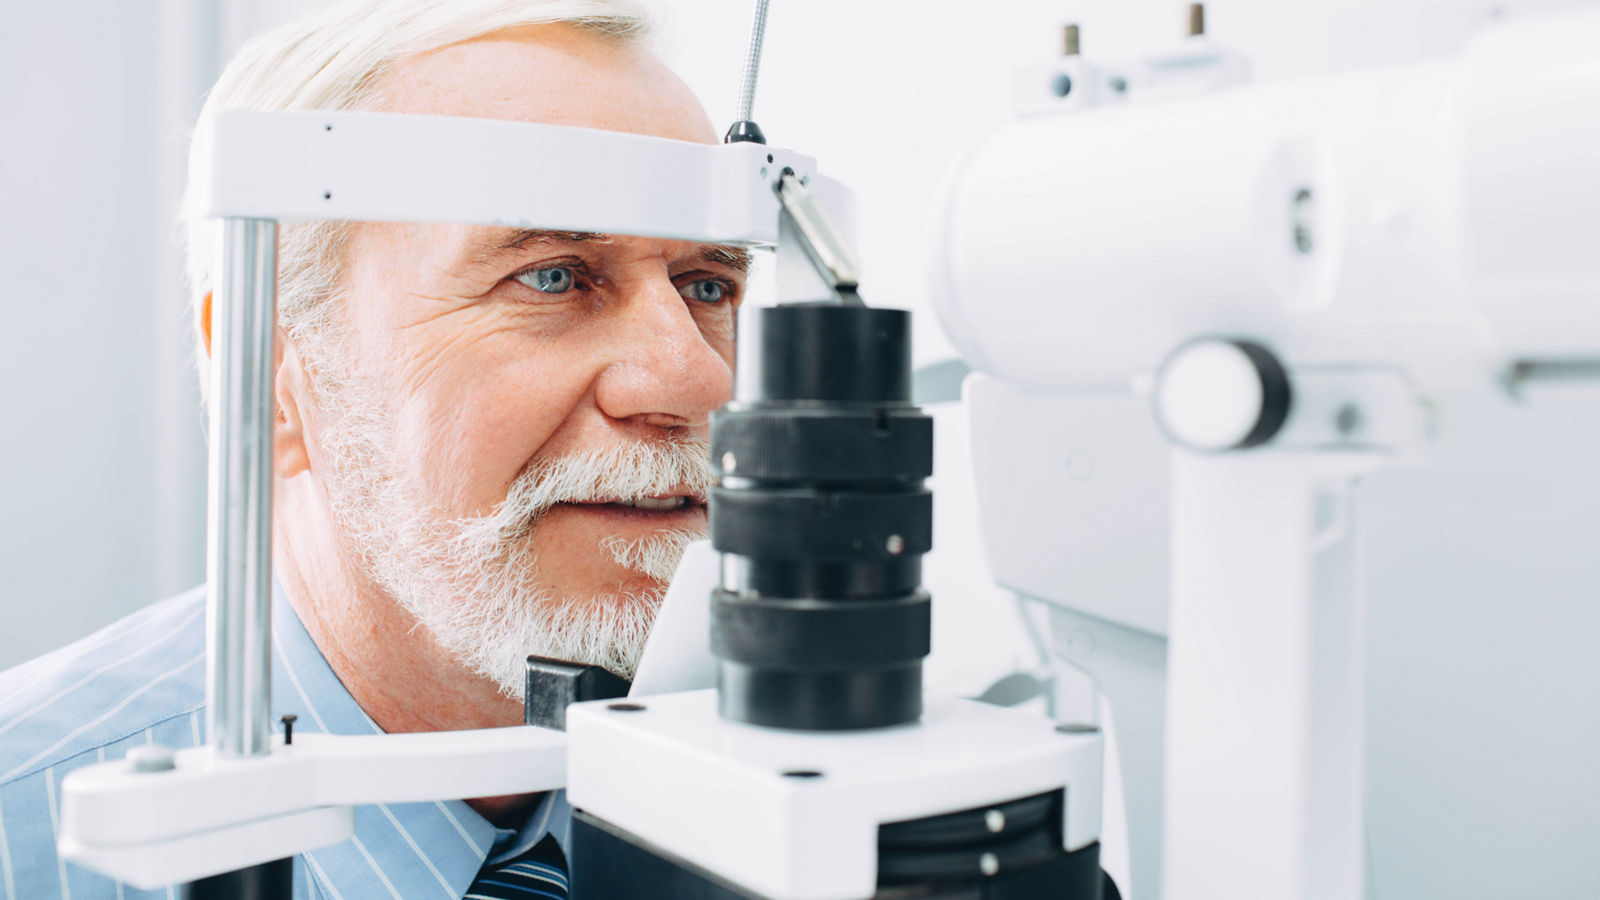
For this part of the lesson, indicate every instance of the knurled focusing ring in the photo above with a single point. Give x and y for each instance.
(822, 516)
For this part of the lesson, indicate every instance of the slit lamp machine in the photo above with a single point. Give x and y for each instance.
(1295, 275)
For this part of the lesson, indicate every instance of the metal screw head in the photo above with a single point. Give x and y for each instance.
(989, 864)
(729, 462)
(1078, 728)
(152, 758)
(625, 707)
(895, 545)
(995, 821)
(1347, 419)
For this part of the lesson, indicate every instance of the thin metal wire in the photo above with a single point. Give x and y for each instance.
(752, 63)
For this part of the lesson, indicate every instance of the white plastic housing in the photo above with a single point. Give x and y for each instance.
(1450, 214)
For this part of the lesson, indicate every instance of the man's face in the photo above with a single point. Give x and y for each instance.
(574, 372)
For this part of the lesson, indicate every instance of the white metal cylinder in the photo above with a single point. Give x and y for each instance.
(1452, 212)
(1076, 245)
(239, 513)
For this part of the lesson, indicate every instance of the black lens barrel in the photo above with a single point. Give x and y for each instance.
(821, 512)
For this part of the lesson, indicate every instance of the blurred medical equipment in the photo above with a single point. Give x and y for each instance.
(1296, 276)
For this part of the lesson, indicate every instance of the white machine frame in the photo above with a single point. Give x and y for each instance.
(388, 167)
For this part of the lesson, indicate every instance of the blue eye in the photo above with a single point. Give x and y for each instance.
(550, 280)
(706, 290)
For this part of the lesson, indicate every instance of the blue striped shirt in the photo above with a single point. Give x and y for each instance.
(142, 680)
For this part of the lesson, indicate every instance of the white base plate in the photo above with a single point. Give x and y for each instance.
(714, 792)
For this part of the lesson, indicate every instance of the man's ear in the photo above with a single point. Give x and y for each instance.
(290, 388)
(205, 321)
(289, 457)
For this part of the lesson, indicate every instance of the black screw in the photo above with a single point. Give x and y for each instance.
(327, 195)
(288, 720)
(802, 773)
(1348, 419)
(1304, 239)
(625, 707)
(1078, 728)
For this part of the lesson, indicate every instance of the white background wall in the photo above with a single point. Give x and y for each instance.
(96, 520)
(1484, 729)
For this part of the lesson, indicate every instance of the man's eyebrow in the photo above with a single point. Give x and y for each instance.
(729, 255)
(734, 257)
(522, 237)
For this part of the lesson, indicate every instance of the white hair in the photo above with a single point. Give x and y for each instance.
(334, 60)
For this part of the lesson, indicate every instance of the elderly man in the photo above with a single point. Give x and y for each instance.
(489, 443)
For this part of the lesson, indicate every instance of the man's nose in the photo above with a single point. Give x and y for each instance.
(666, 371)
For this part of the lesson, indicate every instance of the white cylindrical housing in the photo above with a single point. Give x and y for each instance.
(1076, 249)
(1440, 218)
(1530, 150)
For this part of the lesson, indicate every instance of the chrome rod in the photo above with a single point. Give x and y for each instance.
(752, 63)
(824, 245)
(239, 497)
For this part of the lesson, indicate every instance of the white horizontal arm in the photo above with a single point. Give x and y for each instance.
(363, 166)
(110, 804)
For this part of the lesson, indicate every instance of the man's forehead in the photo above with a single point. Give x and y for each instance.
(486, 243)
(557, 74)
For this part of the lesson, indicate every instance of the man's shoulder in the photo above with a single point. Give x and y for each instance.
(120, 682)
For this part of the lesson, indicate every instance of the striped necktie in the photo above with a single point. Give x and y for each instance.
(539, 874)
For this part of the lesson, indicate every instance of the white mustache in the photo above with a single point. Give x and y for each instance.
(626, 472)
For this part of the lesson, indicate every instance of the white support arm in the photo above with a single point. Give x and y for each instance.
(389, 167)
(113, 816)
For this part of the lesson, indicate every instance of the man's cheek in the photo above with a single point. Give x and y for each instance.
(465, 451)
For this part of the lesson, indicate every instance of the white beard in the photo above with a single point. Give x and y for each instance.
(474, 582)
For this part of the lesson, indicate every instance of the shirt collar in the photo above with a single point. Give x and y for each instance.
(551, 816)
(444, 842)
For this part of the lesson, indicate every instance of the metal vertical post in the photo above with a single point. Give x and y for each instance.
(239, 500)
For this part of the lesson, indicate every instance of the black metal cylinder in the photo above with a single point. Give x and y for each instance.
(822, 517)
(267, 881)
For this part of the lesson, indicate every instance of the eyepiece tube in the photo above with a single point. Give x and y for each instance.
(822, 516)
